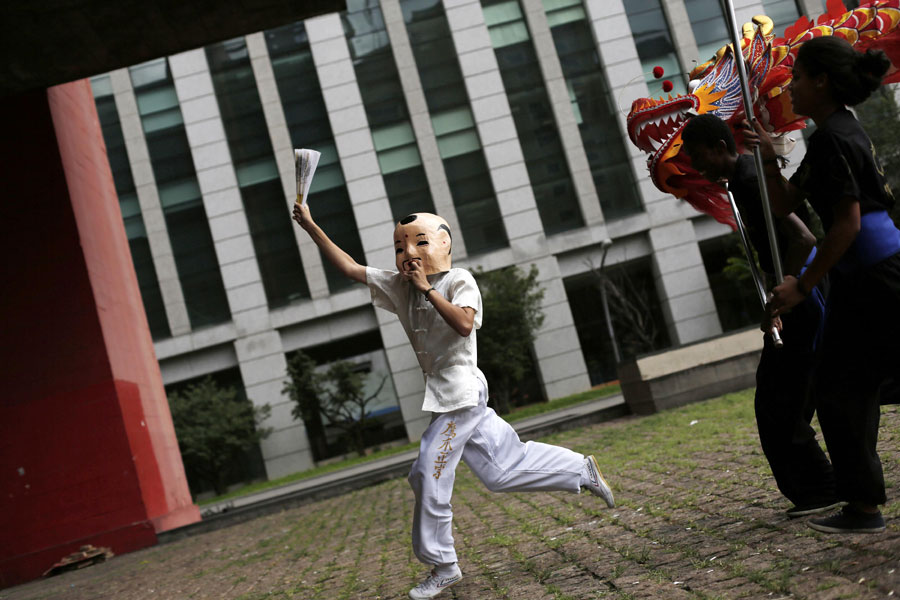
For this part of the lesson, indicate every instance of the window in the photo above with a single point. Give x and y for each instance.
(634, 309)
(307, 121)
(382, 96)
(257, 174)
(654, 45)
(131, 210)
(736, 301)
(457, 137)
(594, 109)
(548, 170)
(365, 351)
(709, 25)
(179, 193)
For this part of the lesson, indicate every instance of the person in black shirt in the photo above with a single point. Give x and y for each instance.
(783, 408)
(844, 182)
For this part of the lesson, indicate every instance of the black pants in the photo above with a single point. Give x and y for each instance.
(784, 409)
(860, 355)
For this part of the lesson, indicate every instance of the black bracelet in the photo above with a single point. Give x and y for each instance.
(428, 291)
(800, 288)
(775, 159)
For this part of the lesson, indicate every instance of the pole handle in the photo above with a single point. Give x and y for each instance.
(776, 338)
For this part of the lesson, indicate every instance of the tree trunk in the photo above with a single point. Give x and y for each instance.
(502, 398)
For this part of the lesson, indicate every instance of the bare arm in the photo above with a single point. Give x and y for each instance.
(837, 240)
(800, 242)
(340, 259)
(461, 319)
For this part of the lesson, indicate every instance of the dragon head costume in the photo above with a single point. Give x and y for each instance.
(654, 125)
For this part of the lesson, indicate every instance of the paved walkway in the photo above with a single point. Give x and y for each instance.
(698, 517)
(235, 510)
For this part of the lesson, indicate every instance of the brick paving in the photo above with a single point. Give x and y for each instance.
(698, 517)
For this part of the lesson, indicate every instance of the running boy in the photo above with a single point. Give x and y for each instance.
(440, 308)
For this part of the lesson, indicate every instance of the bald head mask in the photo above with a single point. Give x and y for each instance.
(425, 238)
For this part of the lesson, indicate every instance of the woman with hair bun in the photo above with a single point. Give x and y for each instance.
(860, 253)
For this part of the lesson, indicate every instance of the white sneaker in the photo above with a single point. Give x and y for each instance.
(435, 584)
(595, 482)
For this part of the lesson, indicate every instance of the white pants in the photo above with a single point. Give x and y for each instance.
(492, 449)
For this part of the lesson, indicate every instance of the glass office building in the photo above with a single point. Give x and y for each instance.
(506, 117)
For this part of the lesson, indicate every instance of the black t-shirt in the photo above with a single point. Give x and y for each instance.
(744, 186)
(839, 162)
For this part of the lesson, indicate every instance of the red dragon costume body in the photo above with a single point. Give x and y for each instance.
(654, 125)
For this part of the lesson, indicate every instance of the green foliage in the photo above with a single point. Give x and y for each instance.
(336, 394)
(880, 116)
(517, 415)
(214, 429)
(511, 303)
(737, 268)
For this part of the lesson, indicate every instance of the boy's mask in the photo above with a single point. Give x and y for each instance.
(425, 238)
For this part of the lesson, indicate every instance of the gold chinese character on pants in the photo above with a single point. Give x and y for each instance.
(449, 433)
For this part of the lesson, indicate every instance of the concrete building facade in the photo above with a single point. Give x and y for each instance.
(230, 284)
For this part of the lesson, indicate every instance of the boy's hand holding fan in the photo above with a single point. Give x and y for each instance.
(305, 162)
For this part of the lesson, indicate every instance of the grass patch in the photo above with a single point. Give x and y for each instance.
(538, 409)
(273, 483)
(516, 415)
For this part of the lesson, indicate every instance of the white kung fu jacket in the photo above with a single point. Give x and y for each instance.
(448, 360)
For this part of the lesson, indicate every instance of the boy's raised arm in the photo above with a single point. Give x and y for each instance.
(340, 259)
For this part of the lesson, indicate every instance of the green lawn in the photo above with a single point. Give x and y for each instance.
(516, 415)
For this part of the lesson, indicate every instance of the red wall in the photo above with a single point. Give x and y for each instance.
(87, 449)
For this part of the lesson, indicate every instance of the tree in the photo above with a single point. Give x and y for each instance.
(880, 116)
(512, 307)
(336, 394)
(632, 317)
(737, 267)
(214, 429)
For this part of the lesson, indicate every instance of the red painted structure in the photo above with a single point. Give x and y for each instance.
(88, 453)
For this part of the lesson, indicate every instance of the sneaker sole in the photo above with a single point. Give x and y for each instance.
(610, 502)
(814, 511)
(828, 529)
(441, 591)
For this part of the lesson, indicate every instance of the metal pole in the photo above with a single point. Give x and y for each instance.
(757, 279)
(609, 326)
(728, 5)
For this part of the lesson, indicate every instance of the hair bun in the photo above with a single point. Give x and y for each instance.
(874, 62)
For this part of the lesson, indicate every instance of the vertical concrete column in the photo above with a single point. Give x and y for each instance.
(409, 382)
(625, 78)
(148, 198)
(371, 207)
(221, 195)
(260, 355)
(263, 368)
(494, 122)
(352, 137)
(421, 120)
(682, 34)
(681, 282)
(556, 345)
(561, 105)
(284, 157)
